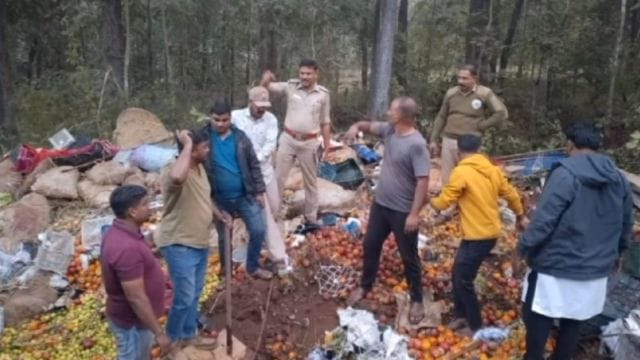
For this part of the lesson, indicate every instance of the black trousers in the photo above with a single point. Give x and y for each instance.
(539, 326)
(383, 221)
(469, 257)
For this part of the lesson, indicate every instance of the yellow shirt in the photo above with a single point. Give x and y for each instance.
(476, 185)
(188, 211)
(306, 109)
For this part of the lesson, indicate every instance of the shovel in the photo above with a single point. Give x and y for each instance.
(227, 276)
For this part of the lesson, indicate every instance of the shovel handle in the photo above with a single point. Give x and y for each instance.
(227, 275)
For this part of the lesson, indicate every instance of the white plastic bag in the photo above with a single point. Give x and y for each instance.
(153, 157)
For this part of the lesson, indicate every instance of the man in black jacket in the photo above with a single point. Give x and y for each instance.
(237, 185)
(582, 223)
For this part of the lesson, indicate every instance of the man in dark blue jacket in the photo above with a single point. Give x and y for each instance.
(237, 185)
(582, 223)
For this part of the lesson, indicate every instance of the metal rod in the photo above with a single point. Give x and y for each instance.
(227, 278)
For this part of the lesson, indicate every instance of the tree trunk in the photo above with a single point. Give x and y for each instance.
(127, 47)
(615, 62)
(476, 28)
(114, 42)
(363, 39)
(267, 50)
(634, 29)
(508, 41)
(6, 120)
(167, 54)
(401, 44)
(383, 59)
(149, 40)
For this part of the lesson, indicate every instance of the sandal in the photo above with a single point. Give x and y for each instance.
(416, 313)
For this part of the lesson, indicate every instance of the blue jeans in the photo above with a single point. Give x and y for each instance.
(133, 343)
(251, 213)
(187, 269)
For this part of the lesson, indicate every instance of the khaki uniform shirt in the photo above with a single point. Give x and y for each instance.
(188, 211)
(306, 110)
(464, 113)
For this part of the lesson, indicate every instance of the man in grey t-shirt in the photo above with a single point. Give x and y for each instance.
(401, 193)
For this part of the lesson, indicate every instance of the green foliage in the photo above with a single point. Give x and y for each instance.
(558, 70)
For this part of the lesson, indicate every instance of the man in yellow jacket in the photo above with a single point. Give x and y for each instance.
(476, 186)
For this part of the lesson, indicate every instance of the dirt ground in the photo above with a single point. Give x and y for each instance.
(295, 315)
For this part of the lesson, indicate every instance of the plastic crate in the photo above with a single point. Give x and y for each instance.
(346, 174)
(534, 162)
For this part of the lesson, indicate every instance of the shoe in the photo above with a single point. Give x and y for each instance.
(262, 274)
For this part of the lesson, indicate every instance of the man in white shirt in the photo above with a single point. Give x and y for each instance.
(581, 224)
(261, 126)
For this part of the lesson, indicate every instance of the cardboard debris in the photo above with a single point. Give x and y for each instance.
(432, 310)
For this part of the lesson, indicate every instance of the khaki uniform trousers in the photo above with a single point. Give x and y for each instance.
(306, 152)
(449, 158)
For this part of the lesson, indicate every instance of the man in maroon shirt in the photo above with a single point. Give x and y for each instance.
(132, 277)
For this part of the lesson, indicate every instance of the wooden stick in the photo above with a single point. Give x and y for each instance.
(264, 320)
(227, 276)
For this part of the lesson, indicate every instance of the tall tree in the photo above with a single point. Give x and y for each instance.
(114, 41)
(383, 59)
(508, 41)
(167, 46)
(401, 43)
(476, 30)
(5, 70)
(127, 47)
(149, 42)
(267, 47)
(363, 40)
(615, 62)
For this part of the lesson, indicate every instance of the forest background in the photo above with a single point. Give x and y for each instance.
(79, 63)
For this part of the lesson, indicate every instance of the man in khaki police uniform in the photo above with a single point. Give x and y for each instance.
(308, 109)
(463, 112)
